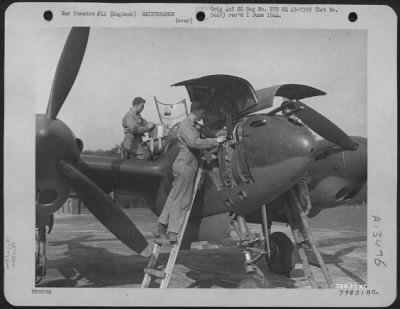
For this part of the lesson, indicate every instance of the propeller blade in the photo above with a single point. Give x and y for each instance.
(103, 208)
(324, 127)
(67, 69)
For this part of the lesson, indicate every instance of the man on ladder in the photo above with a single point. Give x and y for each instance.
(187, 175)
(185, 169)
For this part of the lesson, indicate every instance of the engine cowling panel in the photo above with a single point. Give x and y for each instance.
(266, 156)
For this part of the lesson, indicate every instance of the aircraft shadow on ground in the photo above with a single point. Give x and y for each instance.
(335, 259)
(224, 268)
(94, 266)
(88, 266)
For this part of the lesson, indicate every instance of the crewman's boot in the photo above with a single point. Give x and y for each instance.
(172, 237)
(147, 252)
(161, 231)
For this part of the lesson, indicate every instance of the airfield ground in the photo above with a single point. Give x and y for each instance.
(82, 253)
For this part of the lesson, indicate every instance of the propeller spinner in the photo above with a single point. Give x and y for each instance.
(57, 155)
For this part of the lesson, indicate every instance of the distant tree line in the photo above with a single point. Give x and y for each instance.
(113, 152)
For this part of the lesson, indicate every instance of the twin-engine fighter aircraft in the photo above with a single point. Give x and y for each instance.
(264, 156)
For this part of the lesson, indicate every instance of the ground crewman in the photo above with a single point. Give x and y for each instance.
(134, 128)
(185, 169)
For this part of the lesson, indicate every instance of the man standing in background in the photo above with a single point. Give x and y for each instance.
(134, 128)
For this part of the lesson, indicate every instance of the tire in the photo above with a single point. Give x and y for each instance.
(283, 256)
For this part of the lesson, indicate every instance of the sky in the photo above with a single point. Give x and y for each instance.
(122, 63)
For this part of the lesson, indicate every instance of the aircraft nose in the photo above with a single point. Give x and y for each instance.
(270, 155)
(269, 140)
(303, 143)
(296, 140)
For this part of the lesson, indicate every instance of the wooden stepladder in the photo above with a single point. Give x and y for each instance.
(165, 275)
(302, 234)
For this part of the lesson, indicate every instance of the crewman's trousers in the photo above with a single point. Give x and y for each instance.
(301, 191)
(179, 198)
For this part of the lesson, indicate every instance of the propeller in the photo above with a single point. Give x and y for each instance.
(57, 155)
(103, 208)
(67, 69)
(323, 126)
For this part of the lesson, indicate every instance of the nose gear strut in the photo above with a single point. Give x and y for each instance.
(40, 253)
(248, 243)
(278, 247)
(40, 245)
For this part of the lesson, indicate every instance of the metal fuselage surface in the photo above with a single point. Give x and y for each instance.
(334, 180)
(275, 151)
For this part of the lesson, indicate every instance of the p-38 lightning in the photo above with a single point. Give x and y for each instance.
(263, 158)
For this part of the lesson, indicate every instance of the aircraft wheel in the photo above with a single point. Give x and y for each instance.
(282, 258)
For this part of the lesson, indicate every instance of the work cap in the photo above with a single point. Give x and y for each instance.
(138, 100)
(196, 105)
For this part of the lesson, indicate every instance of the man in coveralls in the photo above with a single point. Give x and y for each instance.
(134, 128)
(185, 169)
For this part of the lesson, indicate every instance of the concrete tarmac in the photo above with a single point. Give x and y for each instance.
(83, 253)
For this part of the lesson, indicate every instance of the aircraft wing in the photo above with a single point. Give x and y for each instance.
(149, 180)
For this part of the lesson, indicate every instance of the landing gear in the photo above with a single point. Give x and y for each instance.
(249, 243)
(282, 257)
(279, 249)
(40, 255)
(42, 222)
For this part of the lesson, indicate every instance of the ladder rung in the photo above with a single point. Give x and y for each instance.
(155, 273)
(165, 275)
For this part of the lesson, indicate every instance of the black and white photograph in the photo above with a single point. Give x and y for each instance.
(198, 157)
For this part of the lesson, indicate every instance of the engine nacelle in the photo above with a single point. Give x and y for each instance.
(266, 156)
(54, 142)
